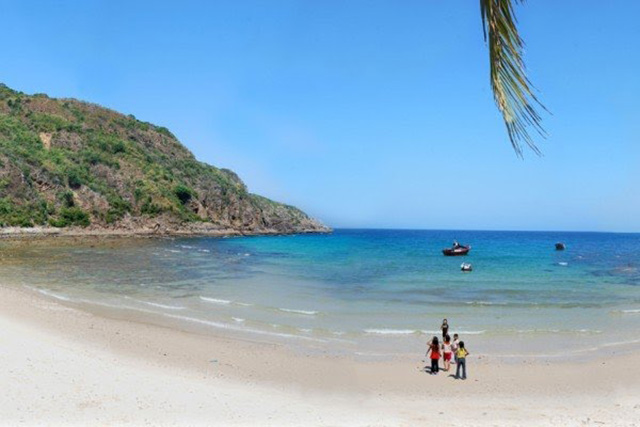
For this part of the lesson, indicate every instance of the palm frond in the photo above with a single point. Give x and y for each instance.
(512, 90)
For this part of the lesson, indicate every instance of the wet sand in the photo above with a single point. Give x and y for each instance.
(65, 366)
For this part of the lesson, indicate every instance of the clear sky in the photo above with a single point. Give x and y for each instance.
(362, 113)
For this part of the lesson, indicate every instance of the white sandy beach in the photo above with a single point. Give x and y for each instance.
(63, 366)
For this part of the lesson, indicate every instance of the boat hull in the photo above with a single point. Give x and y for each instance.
(456, 252)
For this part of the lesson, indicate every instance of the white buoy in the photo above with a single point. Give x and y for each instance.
(465, 266)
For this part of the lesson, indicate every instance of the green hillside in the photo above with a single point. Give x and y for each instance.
(66, 163)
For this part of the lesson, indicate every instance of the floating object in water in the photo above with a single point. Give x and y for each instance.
(560, 246)
(465, 266)
(457, 250)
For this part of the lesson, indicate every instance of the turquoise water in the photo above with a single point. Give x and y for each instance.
(363, 292)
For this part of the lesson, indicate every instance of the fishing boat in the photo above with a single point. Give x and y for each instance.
(560, 246)
(456, 251)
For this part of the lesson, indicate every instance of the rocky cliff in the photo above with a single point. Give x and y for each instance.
(71, 164)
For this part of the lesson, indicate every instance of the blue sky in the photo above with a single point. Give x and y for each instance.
(362, 113)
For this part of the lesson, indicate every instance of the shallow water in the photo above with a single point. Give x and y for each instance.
(363, 292)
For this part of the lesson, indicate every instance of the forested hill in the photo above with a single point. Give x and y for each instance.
(66, 163)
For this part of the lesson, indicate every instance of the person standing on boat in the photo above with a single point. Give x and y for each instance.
(456, 245)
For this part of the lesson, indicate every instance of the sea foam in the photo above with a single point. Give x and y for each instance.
(50, 294)
(385, 331)
(391, 331)
(294, 311)
(155, 304)
(230, 327)
(463, 332)
(215, 300)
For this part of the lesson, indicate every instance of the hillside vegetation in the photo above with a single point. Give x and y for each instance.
(68, 163)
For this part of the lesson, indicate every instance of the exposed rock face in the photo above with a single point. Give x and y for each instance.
(66, 163)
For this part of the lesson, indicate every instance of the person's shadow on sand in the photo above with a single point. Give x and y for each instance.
(427, 370)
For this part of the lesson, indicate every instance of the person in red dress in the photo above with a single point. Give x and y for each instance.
(434, 353)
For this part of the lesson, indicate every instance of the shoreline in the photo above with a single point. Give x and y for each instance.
(22, 233)
(390, 346)
(509, 344)
(358, 392)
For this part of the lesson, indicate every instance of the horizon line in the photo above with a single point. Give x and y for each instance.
(483, 230)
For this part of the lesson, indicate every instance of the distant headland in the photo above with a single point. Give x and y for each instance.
(72, 167)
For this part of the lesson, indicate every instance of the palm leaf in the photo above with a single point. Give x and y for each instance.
(512, 90)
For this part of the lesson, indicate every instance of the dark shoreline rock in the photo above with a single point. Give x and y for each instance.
(16, 233)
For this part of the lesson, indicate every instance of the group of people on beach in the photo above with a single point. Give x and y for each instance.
(447, 350)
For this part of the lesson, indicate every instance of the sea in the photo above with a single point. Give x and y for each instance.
(361, 293)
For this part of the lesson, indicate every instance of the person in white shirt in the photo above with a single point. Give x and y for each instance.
(446, 352)
(454, 347)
